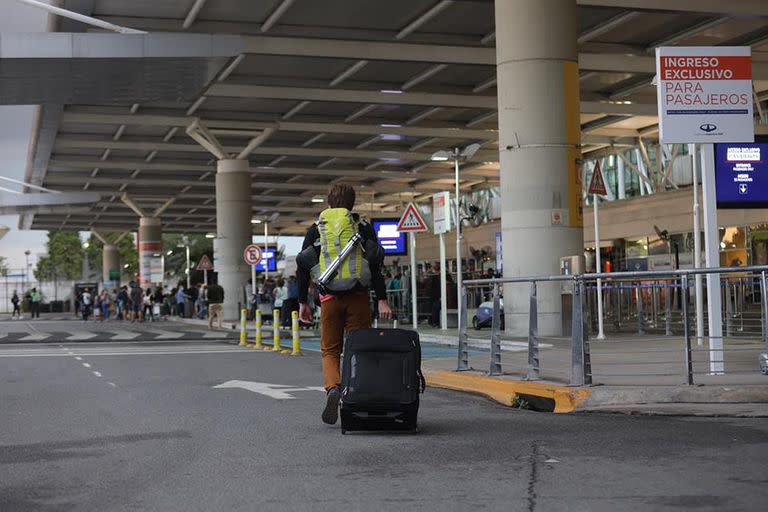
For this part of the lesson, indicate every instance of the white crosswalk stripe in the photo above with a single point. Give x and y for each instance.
(36, 336)
(81, 336)
(125, 335)
(215, 335)
(166, 335)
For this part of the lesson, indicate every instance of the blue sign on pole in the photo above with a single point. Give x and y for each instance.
(741, 174)
(392, 240)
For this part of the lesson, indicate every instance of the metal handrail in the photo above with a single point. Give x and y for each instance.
(620, 275)
(581, 371)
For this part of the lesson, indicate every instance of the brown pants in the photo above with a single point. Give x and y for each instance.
(337, 316)
(214, 310)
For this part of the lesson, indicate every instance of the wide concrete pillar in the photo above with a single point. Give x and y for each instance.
(233, 230)
(110, 265)
(150, 249)
(538, 94)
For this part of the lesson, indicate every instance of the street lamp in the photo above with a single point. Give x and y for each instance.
(185, 243)
(26, 274)
(457, 155)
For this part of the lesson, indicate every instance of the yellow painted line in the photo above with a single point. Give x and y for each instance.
(504, 391)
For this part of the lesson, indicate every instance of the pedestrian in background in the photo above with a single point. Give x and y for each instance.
(86, 301)
(181, 298)
(137, 301)
(35, 297)
(215, 300)
(281, 293)
(16, 309)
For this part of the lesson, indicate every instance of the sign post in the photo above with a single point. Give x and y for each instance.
(597, 187)
(205, 265)
(441, 216)
(705, 96)
(252, 257)
(411, 222)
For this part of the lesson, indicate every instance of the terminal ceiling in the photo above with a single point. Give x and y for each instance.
(362, 91)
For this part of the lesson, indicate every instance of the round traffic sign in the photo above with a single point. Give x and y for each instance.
(252, 254)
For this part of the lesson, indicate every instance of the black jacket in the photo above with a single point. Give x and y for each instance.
(370, 244)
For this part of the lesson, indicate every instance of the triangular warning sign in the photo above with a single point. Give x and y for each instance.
(204, 263)
(411, 220)
(597, 184)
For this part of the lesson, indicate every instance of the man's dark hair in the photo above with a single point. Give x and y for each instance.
(341, 195)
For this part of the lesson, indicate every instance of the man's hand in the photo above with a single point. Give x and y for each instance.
(385, 311)
(305, 314)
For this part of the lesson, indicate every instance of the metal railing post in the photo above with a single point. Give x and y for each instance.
(764, 305)
(463, 362)
(496, 334)
(617, 320)
(581, 367)
(640, 314)
(533, 337)
(728, 309)
(668, 310)
(687, 332)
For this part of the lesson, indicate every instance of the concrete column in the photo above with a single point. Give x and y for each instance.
(110, 261)
(233, 230)
(538, 94)
(150, 243)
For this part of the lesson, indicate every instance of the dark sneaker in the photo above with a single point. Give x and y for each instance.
(331, 411)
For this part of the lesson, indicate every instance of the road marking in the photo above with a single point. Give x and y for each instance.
(125, 335)
(37, 336)
(81, 335)
(78, 358)
(167, 335)
(97, 374)
(276, 391)
(86, 365)
(3, 335)
(551, 461)
(215, 335)
(112, 384)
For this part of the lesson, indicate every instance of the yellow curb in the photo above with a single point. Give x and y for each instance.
(504, 391)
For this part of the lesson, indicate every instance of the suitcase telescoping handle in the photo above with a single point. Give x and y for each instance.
(376, 323)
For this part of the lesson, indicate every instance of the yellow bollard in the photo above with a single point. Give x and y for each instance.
(243, 313)
(258, 342)
(295, 332)
(276, 330)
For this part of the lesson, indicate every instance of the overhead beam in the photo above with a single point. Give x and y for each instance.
(75, 143)
(731, 7)
(229, 90)
(290, 126)
(606, 26)
(368, 50)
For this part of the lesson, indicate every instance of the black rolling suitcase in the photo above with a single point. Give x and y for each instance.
(381, 380)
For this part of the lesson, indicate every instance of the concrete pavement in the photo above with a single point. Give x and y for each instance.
(144, 427)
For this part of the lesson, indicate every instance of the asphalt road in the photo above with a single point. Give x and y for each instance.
(141, 426)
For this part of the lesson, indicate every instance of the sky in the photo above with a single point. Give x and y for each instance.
(15, 135)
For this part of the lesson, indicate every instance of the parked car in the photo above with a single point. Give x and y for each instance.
(764, 363)
(484, 315)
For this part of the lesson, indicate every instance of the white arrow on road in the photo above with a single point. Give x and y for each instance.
(81, 336)
(36, 336)
(276, 391)
(125, 335)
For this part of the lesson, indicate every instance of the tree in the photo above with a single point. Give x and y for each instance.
(3, 267)
(64, 260)
(126, 248)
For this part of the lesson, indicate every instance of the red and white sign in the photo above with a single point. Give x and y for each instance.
(597, 184)
(204, 263)
(705, 94)
(252, 254)
(411, 221)
(441, 212)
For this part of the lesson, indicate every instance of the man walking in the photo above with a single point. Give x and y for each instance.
(345, 305)
(215, 300)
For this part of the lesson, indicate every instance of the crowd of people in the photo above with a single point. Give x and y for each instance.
(272, 294)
